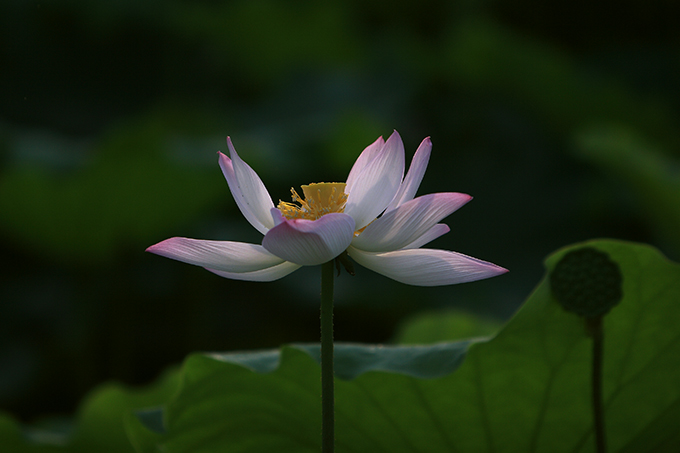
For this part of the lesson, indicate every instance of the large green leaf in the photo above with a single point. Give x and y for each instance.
(352, 360)
(444, 325)
(10, 435)
(527, 389)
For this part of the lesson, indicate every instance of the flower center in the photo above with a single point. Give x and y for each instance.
(320, 199)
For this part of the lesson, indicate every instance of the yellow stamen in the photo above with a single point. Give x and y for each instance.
(320, 199)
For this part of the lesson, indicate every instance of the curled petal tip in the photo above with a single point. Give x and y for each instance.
(230, 145)
(395, 133)
(157, 249)
(494, 270)
(162, 248)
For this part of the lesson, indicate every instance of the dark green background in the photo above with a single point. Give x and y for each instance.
(560, 118)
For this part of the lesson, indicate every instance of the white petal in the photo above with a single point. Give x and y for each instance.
(433, 233)
(415, 174)
(367, 155)
(401, 226)
(310, 242)
(263, 275)
(220, 255)
(248, 190)
(426, 267)
(377, 183)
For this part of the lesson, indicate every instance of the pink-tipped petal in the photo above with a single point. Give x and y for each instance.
(310, 242)
(366, 156)
(433, 233)
(414, 176)
(401, 226)
(220, 255)
(228, 171)
(263, 275)
(426, 267)
(377, 183)
(248, 189)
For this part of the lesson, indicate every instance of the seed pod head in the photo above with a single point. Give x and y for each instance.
(585, 281)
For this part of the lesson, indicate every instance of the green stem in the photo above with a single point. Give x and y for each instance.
(327, 384)
(596, 331)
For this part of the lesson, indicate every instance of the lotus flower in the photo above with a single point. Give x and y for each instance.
(373, 217)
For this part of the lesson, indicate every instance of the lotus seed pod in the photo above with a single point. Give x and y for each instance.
(587, 282)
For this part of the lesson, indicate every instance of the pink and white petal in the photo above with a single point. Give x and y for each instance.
(228, 171)
(252, 189)
(310, 242)
(433, 233)
(277, 217)
(366, 156)
(401, 226)
(414, 176)
(224, 256)
(378, 182)
(426, 267)
(263, 275)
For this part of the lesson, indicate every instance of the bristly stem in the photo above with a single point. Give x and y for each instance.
(327, 384)
(596, 330)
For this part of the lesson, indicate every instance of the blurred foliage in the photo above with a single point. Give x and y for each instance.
(124, 194)
(650, 178)
(112, 114)
(99, 422)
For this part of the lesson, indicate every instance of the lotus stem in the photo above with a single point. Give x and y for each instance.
(596, 330)
(327, 384)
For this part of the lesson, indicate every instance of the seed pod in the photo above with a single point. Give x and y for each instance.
(587, 282)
